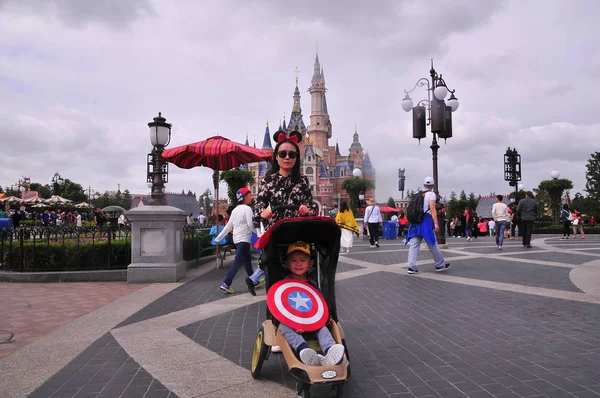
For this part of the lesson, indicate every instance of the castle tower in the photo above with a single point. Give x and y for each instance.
(356, 151)
(296, 122)
(320, 125)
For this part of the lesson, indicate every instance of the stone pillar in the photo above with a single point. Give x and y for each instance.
(156, 244)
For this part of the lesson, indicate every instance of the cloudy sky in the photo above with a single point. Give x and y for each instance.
(80, 80)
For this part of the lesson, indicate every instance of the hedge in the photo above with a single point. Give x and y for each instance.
(558, 230)
(67, 257)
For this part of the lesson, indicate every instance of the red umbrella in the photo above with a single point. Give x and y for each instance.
(388, 209)
(217, 153)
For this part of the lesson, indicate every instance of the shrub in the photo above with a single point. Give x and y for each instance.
(558, 230)
(68, 256)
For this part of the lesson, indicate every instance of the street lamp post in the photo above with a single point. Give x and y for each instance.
(401, 181)
(439, 117)
(57, 183)
(157, 168)
(91, 194)
(512, 168)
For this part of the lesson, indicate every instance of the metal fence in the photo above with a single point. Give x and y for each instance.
(27, 249)
(35, 249)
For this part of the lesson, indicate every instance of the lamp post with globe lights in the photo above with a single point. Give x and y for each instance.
(57, 183)
(157, 168)
(436, 113)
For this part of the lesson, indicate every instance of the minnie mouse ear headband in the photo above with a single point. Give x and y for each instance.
(281, 135)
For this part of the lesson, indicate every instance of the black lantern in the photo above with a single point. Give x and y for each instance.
(157, 168)
(512, 167)
(57, 183)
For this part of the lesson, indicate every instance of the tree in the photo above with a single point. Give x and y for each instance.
(43, 190)
(390, 203)
(126, 202)
(592, 174)
(354, 186)
(554, 190)
(472, 201)
(72, 190)
(463, 195)
(104, 200)
(517, 195)
(236, 179)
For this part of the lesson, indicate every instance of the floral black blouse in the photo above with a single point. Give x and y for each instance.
(277, 190)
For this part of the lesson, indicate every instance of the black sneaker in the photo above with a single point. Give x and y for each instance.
(442, 269)
(250, 285)
(413, 271)
(377, 244)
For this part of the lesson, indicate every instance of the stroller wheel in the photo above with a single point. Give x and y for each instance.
(303, 390)
(338, 390)
(259, 354)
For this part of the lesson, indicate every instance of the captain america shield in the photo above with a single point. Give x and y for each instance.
(298, 305)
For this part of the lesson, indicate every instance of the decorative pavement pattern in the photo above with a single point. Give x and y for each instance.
(511, 323)
(33, 310)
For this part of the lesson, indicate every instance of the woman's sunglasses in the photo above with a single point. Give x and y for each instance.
(285, 154)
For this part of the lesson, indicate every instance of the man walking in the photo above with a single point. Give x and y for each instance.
(500, 218)
(527, 211)
(426, 229)
(241, 223)
(373, 220)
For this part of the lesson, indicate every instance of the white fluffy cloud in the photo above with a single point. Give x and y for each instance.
(80, 83)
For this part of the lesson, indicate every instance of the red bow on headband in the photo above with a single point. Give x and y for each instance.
(294, 136)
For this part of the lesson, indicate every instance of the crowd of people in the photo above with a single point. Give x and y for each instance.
(60, 218)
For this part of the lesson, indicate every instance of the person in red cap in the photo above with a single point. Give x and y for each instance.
(241, 223)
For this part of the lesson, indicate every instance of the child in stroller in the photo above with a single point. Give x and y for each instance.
(298, 262)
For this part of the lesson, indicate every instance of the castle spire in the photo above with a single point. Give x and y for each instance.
(247, 143)
(267, 139)
(317, 68)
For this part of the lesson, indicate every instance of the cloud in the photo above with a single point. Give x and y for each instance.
(76, 14)
(81, 80)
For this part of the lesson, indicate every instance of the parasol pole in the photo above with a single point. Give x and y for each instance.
(216, 186)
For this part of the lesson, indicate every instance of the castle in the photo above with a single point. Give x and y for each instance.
(324, 165)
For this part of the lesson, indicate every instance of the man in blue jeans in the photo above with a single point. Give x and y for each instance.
(241, 223)
(501, 217)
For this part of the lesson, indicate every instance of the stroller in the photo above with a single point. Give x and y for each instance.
(323, 234)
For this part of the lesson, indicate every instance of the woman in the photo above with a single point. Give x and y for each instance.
(402, 224)
(565, 219)
(468, 214)
(284, 185)
(373, 220)
(346, 221)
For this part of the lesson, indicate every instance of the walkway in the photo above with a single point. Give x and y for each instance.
(512, 323)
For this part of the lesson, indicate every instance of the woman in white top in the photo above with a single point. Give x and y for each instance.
(501, 218)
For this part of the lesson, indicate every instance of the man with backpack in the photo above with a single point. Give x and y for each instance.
(422, 216)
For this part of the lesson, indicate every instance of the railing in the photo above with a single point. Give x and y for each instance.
(190, 243)
(28, 249)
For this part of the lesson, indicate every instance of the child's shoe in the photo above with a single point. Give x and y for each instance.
(226, 288)
(334, 355)
(310, 357)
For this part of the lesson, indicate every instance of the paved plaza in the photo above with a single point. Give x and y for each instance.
(512, 323)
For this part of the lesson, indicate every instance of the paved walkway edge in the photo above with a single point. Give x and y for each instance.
(28, 368)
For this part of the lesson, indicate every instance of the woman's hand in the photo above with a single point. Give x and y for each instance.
(266, 213)
(303, 210)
